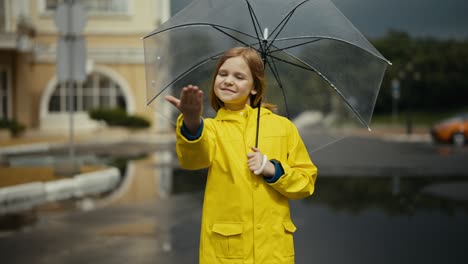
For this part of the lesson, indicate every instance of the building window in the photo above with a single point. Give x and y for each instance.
(119, 7)
(4, 94)
(98, 91)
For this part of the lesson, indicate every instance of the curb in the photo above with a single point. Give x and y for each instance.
(29, 195)
(413, 138)
(44, 147)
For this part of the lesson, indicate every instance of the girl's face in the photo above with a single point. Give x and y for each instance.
(234, 83)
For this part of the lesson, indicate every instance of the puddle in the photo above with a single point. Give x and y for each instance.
(142, 228)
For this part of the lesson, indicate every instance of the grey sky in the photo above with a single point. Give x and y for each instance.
(436, 18)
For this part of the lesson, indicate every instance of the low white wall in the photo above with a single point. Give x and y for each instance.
(60, 123)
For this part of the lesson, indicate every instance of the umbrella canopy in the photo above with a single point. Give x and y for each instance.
(321, 71)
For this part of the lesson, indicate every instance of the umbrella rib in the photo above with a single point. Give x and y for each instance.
(286, 18)
(255, 23)
(200, 24)
(183, 74)
(275, 72)
(332, 85)
(292, 63)
(329, 38)
(293, 46)
(231, 36)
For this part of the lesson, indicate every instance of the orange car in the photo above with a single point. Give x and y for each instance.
(453, 130)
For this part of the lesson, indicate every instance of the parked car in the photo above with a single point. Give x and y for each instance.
(452, 130)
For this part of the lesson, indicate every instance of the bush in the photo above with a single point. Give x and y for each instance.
(112, 117)
(15, 128)
(118, 117)
(136, 122)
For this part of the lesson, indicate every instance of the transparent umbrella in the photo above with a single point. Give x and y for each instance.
(322, 73)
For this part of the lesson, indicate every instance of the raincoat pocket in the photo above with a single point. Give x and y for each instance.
(288, 242)
(227, 240)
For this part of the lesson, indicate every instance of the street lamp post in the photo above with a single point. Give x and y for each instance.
(395, 98)
(409, 76)
(70, 19)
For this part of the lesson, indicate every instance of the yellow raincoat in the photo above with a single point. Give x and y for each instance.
(245, 219)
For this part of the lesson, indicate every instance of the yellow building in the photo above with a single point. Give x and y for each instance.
(29, 91)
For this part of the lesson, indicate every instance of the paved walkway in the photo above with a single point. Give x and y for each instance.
(36, 142)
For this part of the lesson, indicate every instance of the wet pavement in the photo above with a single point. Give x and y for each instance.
(363, 156)
(115, 234)
(346, 222)
(376, 201)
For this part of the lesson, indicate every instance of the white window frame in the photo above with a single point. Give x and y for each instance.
(128, 12)
(112, 92)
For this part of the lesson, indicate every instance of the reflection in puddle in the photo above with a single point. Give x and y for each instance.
(456, 190)
(15, 222)
(141, 228)
(450, 150)
(32, 165)
(444, 151)
(368, 220)
(395, 195)
(187, 181)
(402, 196)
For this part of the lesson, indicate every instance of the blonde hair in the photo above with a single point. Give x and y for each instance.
(256, 66)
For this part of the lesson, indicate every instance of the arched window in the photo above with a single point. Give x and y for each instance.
(98, 91)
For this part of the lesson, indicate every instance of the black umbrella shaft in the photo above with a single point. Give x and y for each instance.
(264, 59)
(264, 52)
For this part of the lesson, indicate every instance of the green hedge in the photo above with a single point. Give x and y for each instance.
(15, 128)
(118, 117)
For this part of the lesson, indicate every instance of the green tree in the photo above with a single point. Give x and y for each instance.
(431, 72)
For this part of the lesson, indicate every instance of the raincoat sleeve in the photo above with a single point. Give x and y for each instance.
(300, 173)
(195, 154)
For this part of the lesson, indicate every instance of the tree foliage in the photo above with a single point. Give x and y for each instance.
(431, 72)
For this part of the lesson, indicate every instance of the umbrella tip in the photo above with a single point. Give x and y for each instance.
(368, 128)
(265, 34)
(390, 63)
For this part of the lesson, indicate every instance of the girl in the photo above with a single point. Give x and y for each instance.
(246, 216)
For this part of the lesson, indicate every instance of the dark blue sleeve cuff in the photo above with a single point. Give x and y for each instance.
(186, 133)
(279, 171)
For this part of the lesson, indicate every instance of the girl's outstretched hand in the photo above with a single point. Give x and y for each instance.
(255, 162)
(190, 105)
